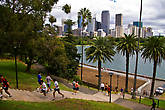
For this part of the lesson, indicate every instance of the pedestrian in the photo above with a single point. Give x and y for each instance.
(116, 89)
(109, 90)
(131, 91)
(102, 86)
(77, 87)
(56, 88)
(5, 86)
(48, 80)
(106, 89)
(121, 91)
(74, 87)
(39, 78)
(43, 87)
(153, 105)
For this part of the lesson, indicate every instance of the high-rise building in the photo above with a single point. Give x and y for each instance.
(91, 25)
(80, 22)
(105, 21)
(119, 20)
(137, 23)
(97, 25)
(119, 25)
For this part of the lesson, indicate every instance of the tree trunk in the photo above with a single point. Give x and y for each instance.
(28, 67)
(82, 52)
(99, 74)
(135, 77)
(153, 79)
(127, 69)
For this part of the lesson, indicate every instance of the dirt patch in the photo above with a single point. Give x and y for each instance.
(89, 75)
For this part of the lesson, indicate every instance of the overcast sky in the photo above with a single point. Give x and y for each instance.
(153, 14)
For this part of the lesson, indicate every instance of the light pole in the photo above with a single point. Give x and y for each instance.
(15, 54)
(110, 74)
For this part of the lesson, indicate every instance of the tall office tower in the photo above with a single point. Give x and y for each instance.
(105, 21)
(119, 20)
(79, 22)
(97, 25)
(119, 25)
(137, 24)
(91, 25)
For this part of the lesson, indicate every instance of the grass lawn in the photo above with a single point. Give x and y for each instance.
(147, 101)
(26, 81)
(66, 104)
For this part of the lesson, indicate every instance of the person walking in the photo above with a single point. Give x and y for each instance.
(5, 86)
(102, 86)
(153, 104)
(43, 87)
(121, 91)
(56, 88)
(77, 87)
(74, 87)
(39, 78)
(106, 89)
(48, 80)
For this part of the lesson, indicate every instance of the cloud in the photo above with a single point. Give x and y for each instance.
(153, 11)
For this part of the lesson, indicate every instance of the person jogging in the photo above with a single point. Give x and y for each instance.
(48, 80)
(39, 78)
(43, 87)
(56, 88)
(5, 86)
(74, 87)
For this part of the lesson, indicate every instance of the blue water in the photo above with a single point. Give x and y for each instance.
(118, 63)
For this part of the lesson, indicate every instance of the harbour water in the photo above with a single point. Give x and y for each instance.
(118, 63)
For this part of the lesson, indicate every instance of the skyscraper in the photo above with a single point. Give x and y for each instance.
(91, 25)
(105, 21)
(80, 22)
(119, 25)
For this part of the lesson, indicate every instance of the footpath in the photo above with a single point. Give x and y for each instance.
(22, 95)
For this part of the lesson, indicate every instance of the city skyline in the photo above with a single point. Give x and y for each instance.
(152, 11)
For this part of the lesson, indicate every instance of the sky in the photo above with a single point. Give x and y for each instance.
(153, 14)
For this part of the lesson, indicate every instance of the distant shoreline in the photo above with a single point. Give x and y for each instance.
(143, 77)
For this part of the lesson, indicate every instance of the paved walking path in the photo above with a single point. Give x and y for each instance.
(35, 96)
(22, 95)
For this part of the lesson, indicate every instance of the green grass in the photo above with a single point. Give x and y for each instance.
(26, 81)
(147, 101)
(66, 104)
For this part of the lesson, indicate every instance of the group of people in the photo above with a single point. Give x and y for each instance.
(107, 88)
(4, 86)
(45, 88)
(75, 87)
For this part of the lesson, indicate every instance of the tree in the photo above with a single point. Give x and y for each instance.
(137, 52)
(86, 17)
(69, 23)
(154, 50)
(52, 19)
(101, 50)
(127, 46)
(66, 8)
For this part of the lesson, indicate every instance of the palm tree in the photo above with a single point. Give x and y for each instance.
(69, 23)
(137, 52)
(127, 46)
(85, 15)
(101, 50)
(66, 8)
(154, 50)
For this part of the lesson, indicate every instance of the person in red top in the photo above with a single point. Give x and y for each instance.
(5, 85)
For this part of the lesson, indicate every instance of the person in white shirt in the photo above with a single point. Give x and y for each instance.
(56, 88)
(48, 80)
(102, 86)
(43, 87)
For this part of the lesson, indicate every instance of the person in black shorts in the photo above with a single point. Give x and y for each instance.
(5, 85)
(56, 88)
